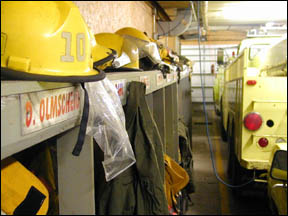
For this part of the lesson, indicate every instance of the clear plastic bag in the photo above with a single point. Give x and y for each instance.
(106, 124)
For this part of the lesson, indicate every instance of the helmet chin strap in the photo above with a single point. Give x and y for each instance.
(83, 125)
(111, 56)
(84, 120)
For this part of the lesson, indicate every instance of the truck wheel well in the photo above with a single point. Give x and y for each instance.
(273, 207)
(230, 124)
(221, 106)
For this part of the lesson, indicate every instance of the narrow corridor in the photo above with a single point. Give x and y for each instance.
(211, 196)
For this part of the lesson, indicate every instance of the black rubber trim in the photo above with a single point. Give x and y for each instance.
(108, 58)
(121, 69)
(31, 204)
(83, 125)
(9, 74)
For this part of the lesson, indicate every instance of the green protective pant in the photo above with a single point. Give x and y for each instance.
(139, 189)
(186, 154)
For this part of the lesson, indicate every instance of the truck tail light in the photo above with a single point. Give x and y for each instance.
(263, 142)
(251, 82)
(252, 121)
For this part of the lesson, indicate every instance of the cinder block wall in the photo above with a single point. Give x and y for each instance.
(109, 16)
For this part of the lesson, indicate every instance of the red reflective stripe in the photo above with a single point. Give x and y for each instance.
(263, 142)
(252, 121)
(251, 82)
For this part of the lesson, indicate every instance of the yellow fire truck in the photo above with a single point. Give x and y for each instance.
(255, 106)
(218, 89)
(219, 80)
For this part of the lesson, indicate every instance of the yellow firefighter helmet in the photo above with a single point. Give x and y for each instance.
(46, 41)
(127, 52)
(99, 51)
(176, 178)
(133, 32)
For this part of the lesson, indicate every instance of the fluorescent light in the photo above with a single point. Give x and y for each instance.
(269, 24)
(256, 10)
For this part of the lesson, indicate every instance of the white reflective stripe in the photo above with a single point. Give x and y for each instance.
(80, 53)
(67, 57)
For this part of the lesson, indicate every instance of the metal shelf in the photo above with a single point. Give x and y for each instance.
(15, 137)
(154, 80)
(21, 126)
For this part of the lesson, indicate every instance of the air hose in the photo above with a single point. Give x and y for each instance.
(206, 120)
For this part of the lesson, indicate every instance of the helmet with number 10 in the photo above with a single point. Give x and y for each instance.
(46, 41)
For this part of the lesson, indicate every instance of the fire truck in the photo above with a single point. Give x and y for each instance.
(254, 106)
(218, 89)
(219, 85)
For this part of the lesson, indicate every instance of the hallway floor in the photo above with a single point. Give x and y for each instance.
(211, 196)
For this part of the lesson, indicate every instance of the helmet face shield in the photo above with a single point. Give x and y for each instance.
(121, 60)
(46, 41)
(148, 51)
(133, 52)
(146, 48)
(175, 58)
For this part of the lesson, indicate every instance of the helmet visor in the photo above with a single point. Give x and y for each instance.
(146, 49)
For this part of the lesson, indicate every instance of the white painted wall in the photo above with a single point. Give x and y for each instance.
(208, 57)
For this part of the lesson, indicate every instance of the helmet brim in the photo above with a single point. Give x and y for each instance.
(9, 74)
(122, 69)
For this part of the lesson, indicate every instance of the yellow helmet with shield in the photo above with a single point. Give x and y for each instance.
(149, 56)
(127, 52)
(102, 55)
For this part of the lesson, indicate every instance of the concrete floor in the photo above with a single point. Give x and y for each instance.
(211, 196)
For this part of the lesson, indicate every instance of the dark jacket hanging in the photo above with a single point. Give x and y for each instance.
(140, 189)
(186, 155)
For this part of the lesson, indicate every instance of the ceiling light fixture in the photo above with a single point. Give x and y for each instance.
(256, 11)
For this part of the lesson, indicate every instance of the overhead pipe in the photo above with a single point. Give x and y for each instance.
(193, 12)
(202, 19)
(179, 25)
(203, 14)
(233, 27)
(154, 33)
